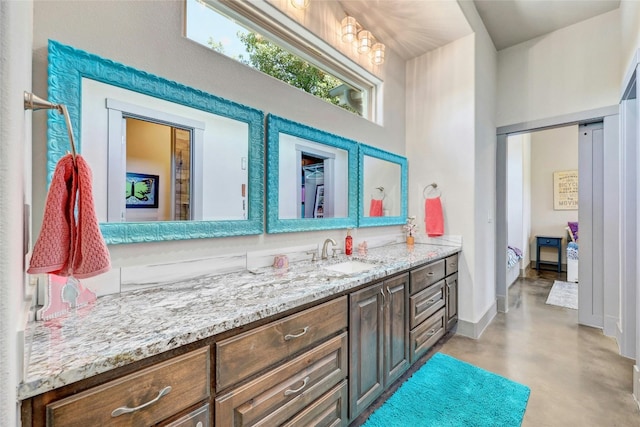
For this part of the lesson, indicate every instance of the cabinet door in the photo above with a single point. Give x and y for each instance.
(396, 351)
(451, 290)
(366, 330)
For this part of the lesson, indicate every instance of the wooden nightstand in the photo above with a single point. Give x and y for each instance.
(549, 241)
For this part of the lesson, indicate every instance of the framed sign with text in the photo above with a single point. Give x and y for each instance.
(565, 190)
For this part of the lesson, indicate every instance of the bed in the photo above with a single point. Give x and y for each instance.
(572, 252)
(514, 255)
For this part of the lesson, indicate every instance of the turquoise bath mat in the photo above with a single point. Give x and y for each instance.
(447, 392)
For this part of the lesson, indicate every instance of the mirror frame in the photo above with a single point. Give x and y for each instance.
(277, 125)
(67, 67)
(365, 221)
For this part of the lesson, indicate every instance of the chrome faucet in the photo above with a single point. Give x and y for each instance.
(324, 248)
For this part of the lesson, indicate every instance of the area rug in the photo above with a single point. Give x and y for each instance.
(564, 294)
(447, 392)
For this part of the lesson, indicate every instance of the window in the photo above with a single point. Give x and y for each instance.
(241, 34)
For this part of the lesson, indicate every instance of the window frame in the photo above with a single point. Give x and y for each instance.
(267, 20)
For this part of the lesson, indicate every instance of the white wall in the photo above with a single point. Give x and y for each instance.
(440, 147)
(630, 34)
(551, 151)
(150, 38)
(574, 69)
(15, 183)
(526, 200)
(515, 193)
(485, 75)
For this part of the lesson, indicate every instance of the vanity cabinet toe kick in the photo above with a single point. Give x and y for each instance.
(302, 369)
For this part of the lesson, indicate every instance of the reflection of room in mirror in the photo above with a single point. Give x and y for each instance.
(182, 174)
(382, 187)
(205, 179)
(164, 151)
(312, 179)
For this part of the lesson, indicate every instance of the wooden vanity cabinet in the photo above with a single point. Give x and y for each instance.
(428, 308)
(146, 397)
(320, 366)
(310, 386)
(378, 339)
(451, 290)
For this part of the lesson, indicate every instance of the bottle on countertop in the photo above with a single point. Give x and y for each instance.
(348, 243)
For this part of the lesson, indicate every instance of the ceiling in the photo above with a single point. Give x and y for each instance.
(510, 22)
(413, 27)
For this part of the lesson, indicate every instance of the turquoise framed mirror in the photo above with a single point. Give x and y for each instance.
(382, 187)
(169, 161)
(311, 178)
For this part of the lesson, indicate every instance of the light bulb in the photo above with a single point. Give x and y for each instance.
(365, 40)
(349, 29)
(300, 4)
(377, 56)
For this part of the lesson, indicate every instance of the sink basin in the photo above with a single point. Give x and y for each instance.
(350, 267)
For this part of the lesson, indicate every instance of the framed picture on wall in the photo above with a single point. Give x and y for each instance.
(141, 190)
(565, 190)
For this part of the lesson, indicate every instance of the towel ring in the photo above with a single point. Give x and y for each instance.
(431, 190)
(381, 190)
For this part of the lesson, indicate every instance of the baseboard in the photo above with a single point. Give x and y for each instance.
(474, 330)
(501, 304)
(610, 326)
(636, 384)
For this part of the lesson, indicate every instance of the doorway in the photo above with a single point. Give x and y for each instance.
(542, 202)
(593, 309)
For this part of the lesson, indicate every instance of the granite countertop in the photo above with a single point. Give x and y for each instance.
(123, 328)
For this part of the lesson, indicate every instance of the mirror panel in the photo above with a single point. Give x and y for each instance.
(383, 187)
(311, 178)
(105, 98)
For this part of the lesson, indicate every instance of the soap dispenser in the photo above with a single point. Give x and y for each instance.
(348, 243)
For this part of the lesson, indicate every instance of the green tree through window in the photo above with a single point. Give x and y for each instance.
(271, 59)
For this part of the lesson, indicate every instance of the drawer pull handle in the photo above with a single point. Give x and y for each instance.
(292, 336)
(431, 301)
(431, 332)
(294, 391)
(384, 298)
(126, 410)
(431, 273)
(453, 264)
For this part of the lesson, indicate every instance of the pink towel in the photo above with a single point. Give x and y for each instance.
(70, 246)
(433, 218)
(375, 209)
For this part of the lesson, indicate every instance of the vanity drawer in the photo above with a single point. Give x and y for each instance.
(330, 410)
(451, 264)
(426, 335)
(246, 354)
(425, 303)
(198, 418)
(186, 375)
(278, 395)
(422, 277)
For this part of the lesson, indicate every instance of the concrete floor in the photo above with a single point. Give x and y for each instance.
(576, 376)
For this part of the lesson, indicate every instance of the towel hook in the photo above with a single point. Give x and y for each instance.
(35, 103)
(433, 188)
